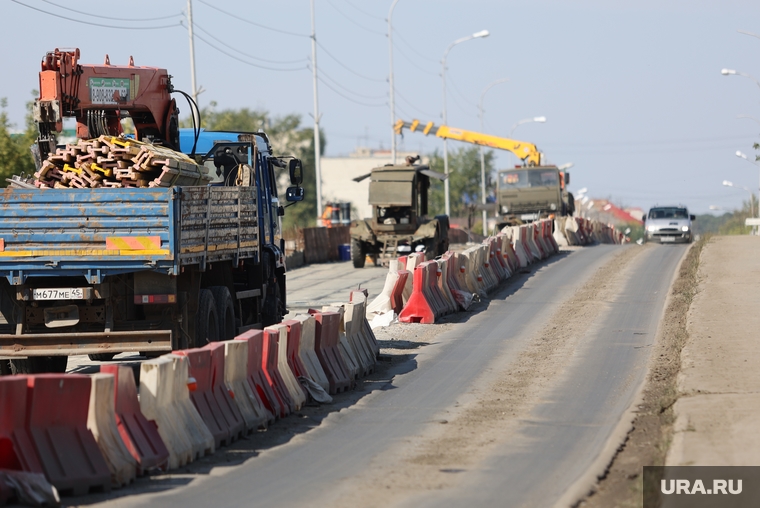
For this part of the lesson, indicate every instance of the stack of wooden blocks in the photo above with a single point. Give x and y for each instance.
(110, 161)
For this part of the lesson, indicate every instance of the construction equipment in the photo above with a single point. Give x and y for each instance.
(101, 270)
(399, 224)
(527, 152)
(99, 96)
(524, 194)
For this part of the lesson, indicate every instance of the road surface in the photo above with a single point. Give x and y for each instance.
(510, 406)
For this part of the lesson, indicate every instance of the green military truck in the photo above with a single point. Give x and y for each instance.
(399, 224)
(529, 193)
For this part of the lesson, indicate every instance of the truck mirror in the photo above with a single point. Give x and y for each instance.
(567, 178)
(294, 194)
(296, 172)
(692, 217)
(280, 211)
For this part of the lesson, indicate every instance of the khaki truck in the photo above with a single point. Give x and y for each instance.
(399, 224)
(530, 193)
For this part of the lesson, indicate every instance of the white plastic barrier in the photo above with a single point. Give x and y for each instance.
(367, 333)
(353, 317)
(571, 231)
(518, 244)
(157, 403)
(443, 282)
(559, 234)
(308, 353)
(535, 253)
(101, 420)
(382, 302)
(412, 261)
(472, 273)
(200, 437)
(346, 351)
(254, 413)
(489, 279)
(294, 388)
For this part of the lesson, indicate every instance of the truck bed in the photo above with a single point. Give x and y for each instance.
(100, 232)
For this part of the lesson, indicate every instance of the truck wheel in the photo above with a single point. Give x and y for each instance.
(5, 368)
(358, 256)
(102, 357)
(272, 305)
(207, 320)
(225, 310)
(39, 365)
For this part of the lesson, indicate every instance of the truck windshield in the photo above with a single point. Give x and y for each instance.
(668, 213)
(523, 178)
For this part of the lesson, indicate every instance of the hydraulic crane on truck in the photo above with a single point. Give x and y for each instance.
(525, 193)
(527, 152)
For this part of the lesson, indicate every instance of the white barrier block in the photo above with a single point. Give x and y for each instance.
(308, 353)
(297, 395)
(443, 282)
(354, 326)
(156, 403)
(412, 261)
(346, 352)
(200, 437)
(518, 245)
(254, 413)
(101, 420)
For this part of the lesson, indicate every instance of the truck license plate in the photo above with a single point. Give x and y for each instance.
(58, 294)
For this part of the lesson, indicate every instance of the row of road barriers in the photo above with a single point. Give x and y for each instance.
(420, 291)
(75, 433)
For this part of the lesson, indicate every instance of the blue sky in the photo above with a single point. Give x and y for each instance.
(632, 90)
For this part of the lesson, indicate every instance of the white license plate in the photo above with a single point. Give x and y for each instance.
(667, 238)
(58, 294)
(529, 216)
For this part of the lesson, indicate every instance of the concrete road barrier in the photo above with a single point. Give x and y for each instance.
(200, 438)
(252, 409)
(326, 338)
(101, 421)
(418, 309)
(257, 378)
(295, 391)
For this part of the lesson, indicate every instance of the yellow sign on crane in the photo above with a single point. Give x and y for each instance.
(527, 152)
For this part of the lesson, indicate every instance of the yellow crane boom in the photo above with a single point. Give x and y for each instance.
(527, 152)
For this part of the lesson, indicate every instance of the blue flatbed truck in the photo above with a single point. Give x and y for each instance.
(104, 271)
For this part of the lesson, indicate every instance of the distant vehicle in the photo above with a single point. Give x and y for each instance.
(669, 224)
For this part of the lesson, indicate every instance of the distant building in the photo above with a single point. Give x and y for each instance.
(338, 174)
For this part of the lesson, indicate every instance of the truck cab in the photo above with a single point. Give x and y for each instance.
(529, 193)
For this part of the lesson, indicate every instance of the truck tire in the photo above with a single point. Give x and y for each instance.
(272, 314)
(207, 320)
(358, 256)
(225, 311)
(5, 368)
(39, 365)
(102, 357)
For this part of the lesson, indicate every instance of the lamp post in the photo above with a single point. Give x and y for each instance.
(538, 119)
(741, 155)
(390, 80)
(751, 206)
(483, 156)
(476, 35)
(732, 72)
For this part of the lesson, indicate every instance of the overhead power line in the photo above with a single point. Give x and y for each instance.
(355, 22)
(328, 85)
(245, 61)
(196, 25)
(414, 50)
(97, 24)
(119, 18)
(265, 27)
(339, 84)
(365, 12)
(349, 69)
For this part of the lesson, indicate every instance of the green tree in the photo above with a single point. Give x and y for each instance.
(15, 155)
(464, 181)
(287, 137)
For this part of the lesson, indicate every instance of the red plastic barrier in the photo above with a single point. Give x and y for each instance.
(326, 345)
(199, 368)
(139, 435)
(57, 407)
(16, 449)
(434, 290)
(549, 235)
(232, 418)
(524, 243)
(272, 371)
(256, 377)
(418, 309)
(294, 344)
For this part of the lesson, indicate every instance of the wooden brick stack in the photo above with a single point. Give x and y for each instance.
(110, 161)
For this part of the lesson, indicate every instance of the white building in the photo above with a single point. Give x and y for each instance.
(338, 174)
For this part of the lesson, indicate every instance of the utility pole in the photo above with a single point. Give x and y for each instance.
(390, 79)
(194, 92)
(317, 147)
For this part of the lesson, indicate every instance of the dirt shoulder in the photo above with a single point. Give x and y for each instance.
(702, 398)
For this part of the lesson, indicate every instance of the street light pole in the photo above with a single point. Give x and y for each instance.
(741, 155)
(732, 72)
(537, 119)
(390, 80)
(751, 196)
(476, 35)
(317, 147)
(483, 156)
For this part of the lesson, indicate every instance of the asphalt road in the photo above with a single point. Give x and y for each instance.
(537, 464)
